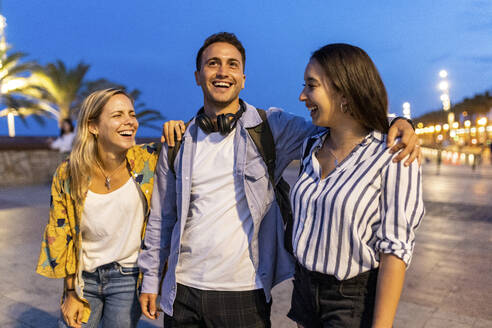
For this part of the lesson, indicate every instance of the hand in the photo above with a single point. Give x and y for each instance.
(169, 129)
(148, 305)
(72, 310)
(409, 142)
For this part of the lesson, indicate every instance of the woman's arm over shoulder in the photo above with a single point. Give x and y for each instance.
(57, 256)
(402, 209)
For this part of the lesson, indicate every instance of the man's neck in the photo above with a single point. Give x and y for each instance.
(213, 110)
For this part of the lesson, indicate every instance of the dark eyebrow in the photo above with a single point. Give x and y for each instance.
(312, 79)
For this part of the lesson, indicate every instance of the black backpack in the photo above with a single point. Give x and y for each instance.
(263, 139)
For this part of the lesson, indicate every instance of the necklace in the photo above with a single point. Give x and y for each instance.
(327, 146)
(107, 181)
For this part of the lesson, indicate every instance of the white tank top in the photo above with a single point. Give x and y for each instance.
(111, 227)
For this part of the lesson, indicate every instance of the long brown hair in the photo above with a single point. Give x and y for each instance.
(353, 74)
(84, 151)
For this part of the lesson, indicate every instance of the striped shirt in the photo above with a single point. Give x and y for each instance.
(367, 205)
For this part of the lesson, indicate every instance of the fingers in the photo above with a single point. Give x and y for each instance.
(165, 135)
(392, 134)
(408, 149)
(414, 154)
(79, 316)
(172, 131)
(179, 129)
(152, 308)
(147, 303)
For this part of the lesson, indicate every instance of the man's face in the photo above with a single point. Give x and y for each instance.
(221, 74)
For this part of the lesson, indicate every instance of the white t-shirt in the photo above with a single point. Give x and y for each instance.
(111, 227)
(214, 253)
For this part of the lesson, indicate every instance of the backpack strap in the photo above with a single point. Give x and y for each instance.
(307, 151)
(172, 152)
(263, 138)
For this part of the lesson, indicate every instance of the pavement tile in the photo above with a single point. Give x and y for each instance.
(440, 314)
(444, 323)
(411, 315)
(482, 323)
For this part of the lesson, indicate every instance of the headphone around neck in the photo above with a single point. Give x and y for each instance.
(224, 123)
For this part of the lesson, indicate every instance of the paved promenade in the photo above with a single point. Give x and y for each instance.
(449, 283)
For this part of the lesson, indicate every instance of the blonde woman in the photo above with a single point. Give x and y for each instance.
(99, 206)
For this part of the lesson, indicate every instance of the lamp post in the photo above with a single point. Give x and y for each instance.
(406, 110)
(3, 48)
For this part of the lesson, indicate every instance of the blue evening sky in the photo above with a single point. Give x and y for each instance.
(151, 45)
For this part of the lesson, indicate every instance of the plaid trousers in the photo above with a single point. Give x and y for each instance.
(213, 309)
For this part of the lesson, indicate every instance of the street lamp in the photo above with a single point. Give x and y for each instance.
(406, 110)
(444, 87)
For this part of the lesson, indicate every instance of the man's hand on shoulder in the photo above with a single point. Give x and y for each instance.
(408, 144)
(171, 131)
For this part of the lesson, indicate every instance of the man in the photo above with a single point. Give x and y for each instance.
(215, 221)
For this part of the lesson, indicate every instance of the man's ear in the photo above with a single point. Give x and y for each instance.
(244, 81)
(197, 78)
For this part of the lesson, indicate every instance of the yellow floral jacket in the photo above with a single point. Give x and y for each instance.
(62, 242)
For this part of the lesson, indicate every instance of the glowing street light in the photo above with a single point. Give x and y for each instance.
(444, 85)
(467, 123)
(482, 121)
(406, 110)
(443, 73)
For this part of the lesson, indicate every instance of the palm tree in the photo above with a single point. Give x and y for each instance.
(15, 87)
(146, 116)
(57, 88)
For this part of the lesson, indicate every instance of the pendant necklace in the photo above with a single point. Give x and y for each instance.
(107, 178)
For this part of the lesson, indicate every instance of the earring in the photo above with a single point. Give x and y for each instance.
(344, 108)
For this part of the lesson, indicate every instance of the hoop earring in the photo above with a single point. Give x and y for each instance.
(343, 108)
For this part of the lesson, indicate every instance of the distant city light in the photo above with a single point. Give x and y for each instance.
(444, 85)
(443, 73)
(482, 121)
(445, 127)
(467, 123)
(456, 125)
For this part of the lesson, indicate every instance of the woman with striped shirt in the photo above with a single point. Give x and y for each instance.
(355, 208)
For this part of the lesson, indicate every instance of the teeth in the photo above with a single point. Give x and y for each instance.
(222, 84)
(312, 108)
(126, 133)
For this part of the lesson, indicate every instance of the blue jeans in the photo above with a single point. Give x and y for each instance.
(112, 295)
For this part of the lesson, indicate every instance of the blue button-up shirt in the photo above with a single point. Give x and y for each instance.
(171, 203)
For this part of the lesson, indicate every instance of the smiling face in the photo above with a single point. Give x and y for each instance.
(117, 125)
(221, 76)
(320, 98)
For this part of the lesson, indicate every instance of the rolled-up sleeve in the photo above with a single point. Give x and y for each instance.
(162, 219)
(402, 208)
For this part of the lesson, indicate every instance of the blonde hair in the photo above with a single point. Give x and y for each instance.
(84, 151)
